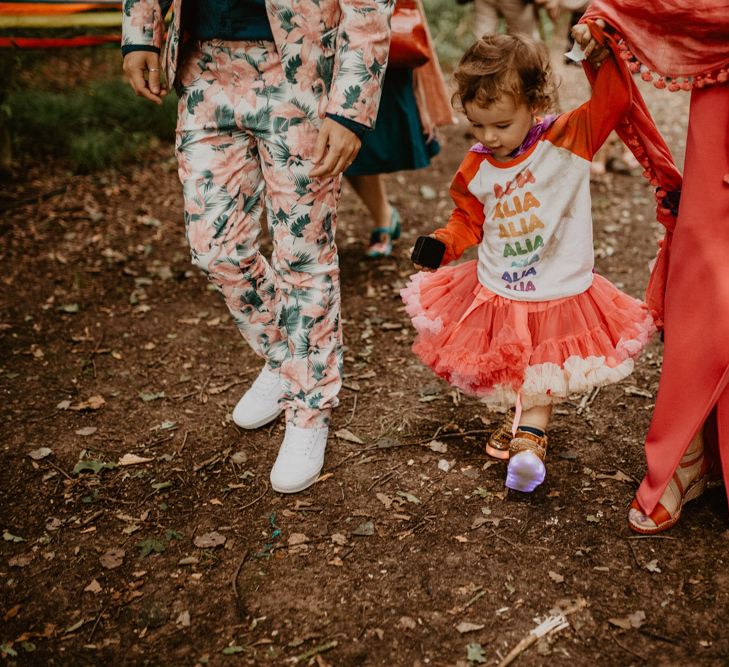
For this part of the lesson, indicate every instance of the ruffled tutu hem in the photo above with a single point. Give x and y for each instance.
(495, 348)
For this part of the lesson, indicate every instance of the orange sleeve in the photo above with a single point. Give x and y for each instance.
(465, 225)
(583, 130)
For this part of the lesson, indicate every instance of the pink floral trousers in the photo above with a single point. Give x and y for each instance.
(245, 138)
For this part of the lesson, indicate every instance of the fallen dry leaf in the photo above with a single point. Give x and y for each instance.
(346, 434)
(465, 627)
(632, 390)
(133, 459)
(239, 458)
(637, 618)
(112, 558)
(619, 476)
(93, 587)
(297, 538)
(652, 566)
(11, 613)
(21, 560)
(209, 540)
(40, 453)
(364, 529)
(634, 620)
(92, 403)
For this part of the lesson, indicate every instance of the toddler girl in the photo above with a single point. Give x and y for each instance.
(528, 323)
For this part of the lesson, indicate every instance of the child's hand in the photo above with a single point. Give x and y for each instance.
(594, 53)
(423, 268)
(419, 267)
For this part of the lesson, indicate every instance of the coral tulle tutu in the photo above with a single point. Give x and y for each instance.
(493, 347)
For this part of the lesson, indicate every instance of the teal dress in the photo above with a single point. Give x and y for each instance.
(397, 143)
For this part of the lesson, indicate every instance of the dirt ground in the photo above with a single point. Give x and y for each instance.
(145, 533)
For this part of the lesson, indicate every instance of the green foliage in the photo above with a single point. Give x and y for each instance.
(452, 27)
(93, 128)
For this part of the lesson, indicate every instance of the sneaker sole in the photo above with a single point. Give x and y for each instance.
(267, 419)
(297, 487)
(525, 473)
(502, 454)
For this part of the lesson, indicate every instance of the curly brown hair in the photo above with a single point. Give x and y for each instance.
(498, 65)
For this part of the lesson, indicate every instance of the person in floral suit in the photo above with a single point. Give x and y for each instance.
(273, 97)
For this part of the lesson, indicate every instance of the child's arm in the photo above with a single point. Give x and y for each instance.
(586, 128)
(465, 225)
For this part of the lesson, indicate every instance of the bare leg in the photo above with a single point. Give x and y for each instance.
(371, 190)
(537, 417)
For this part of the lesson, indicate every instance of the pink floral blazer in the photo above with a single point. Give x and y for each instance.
(335, 48)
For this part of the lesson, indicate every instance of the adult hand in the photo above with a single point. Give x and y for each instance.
(136, 65)
(336, 147)
(592, 50)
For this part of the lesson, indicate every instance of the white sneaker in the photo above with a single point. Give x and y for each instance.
(260, 404)
(300, 458)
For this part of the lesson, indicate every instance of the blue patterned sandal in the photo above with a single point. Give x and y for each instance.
(380, 248)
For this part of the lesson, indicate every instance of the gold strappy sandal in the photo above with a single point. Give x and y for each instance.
(500, 440)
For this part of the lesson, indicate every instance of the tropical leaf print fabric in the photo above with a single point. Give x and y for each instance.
(336, 49)
(245, 140)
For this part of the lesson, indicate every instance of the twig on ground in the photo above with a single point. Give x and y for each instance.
(549, 625)
(407, 444)
(351, 414)
(237, 572)
(509, 542)
(587, 400)
(184, 442)
(199, 466)
(625, 472)
(445, 435)
(92, 517)
(316, 651)
(93, 630)
(346, 553)
(63, 472)
(474, 599)
(655, 635)
(419, 524)
(626, 649)
(384, 477)
(632, 551)
(253, 502)
(223, 388)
